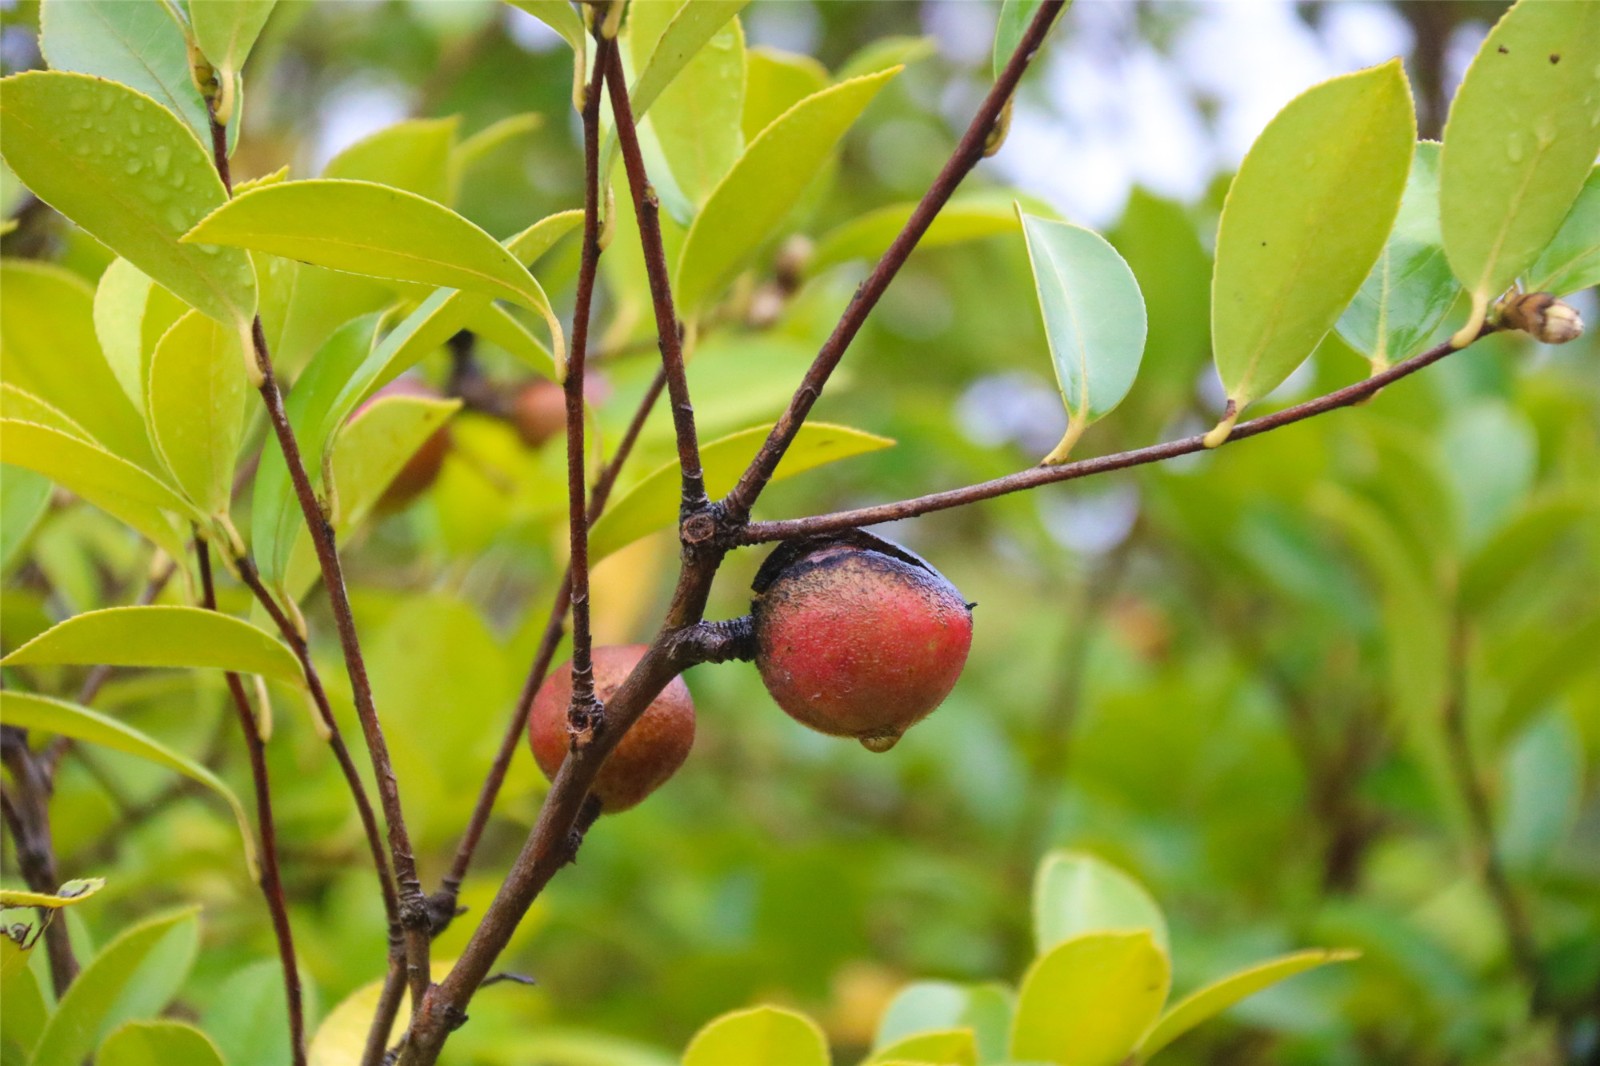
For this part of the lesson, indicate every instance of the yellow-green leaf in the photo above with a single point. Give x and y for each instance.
(342, 1036)
(158, 1043)
(128, 171)
(19, 405)
(760, 1036)
(1075, 892)
(949, 1047)
(1218, 996)
(196, 405)
(46, 715)
(414, 155)
(1090, 1000)
(1015, 17)
(373, 447)
(131, 312)
(868, 236)
(1521, 137)
(750, 202)
(1305, 219)
(187, 637)
(365, 228)
(114, 485)
(226, 30)
(65, 896)
(1571, 261)
(774, 82)
(653, 503)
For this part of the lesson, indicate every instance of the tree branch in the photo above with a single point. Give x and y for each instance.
(271, 880)
(668, 330)
(789, 529)
(27, 815)
(974, 145)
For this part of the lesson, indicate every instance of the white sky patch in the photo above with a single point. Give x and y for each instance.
(528, 33)
(357, 109)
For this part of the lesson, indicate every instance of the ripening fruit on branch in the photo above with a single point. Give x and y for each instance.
(650, 752)
(857, 637)
(539, 412)
(422, 469)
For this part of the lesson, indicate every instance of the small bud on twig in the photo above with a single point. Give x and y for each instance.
(1541, 315)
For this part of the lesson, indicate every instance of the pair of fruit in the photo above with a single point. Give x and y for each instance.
(854, 637)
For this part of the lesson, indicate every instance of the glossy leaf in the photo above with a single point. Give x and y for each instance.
(226, 30)
(696, 116)
(137, 44)
(65, 896)
(1305, 219)
(370, 229)
(1411, 288)
(745, 209)
(691, 28)
(929, 1006)
(126, 170)
(1015, 17)
(276, 516)
(114, 485)
(1094, 320)
(1571, 261)
(775, 81)
(1089, 1000)
(868, 236)
(1075, 892)
(342, 1036)
(158, 1043)
(414, 155)
(1218, 996)
(131, 312)
(188, 637)
(26, 1009)
(886, 52)
(652, 504)
(22, 406)
(58, 717)
(197, 401)
(950, 1047)
(1520, 140)
(24, 498)
(560, 16)
(51, 351)
(375, 445)
(760, 1036)
(134, 976)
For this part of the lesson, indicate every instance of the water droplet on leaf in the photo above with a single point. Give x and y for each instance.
(881, 743)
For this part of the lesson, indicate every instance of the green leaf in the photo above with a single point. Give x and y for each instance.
(886, 52)
(745, 209)
(1075, 892)
(196, 405)
(1411, 288)
(24, 499)
(27, 711)
(560, 16)
(226, 30)
(114, 485)
(951, 1047)
(188, 637)
(1520, 140)
(1305, 219)
(373, 447)
(248, 1017)
(775, 81)
(868, 236)
(138, 44)
(760, 1036)
(125, 169)
(932, 1006)
(696, 117)
(370, 229)
(26, 1009)
(1094, 320)
(131, 312)
(495, 324)
(22, 406)
(475, 150)
(1015, 17)
(72, 892)
(652, 504)
(691, 28)
(276, 517)
(159, 1043)
(1523, 545)
(342, 1036)
(1089, 1000)
(1571, 261)
(134, 976)
(1218, 996)
(51, 351)
(414, 155)
(1542, 792)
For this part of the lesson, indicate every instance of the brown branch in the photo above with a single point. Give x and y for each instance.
(271, 880)
(27, 815)
(974, 145)
(668, 330)
(789, 529)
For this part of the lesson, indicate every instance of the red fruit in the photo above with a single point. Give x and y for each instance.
(539, 412)
(858, 637)
(422, 469)
(650, 752)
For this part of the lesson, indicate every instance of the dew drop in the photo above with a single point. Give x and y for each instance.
(81, 148)
(161, 159)
(107, 103)
(138, 104)
(81, 102)
(177, 217)
(133, 166)
(880, 743)
(1514, 148)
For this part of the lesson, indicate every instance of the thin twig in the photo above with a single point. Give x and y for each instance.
(271, 880)
(669, 331)
(974, 144)
(788, 529)
(27, 815)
